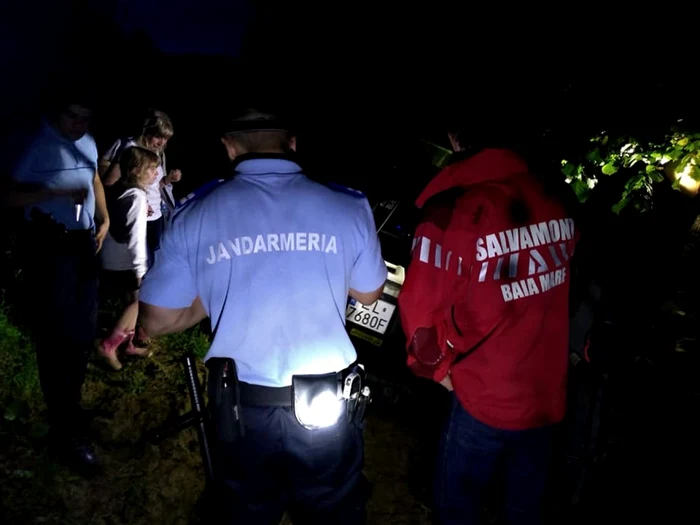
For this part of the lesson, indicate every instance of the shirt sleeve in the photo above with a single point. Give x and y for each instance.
(136, 224)
(170, 282)
(112, 151)
(431, 296)
(421, 307)
(369, 271)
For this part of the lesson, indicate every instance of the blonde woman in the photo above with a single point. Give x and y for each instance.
(125, 254)
(156, 131)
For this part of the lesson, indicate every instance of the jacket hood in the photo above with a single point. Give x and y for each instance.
(488, 165)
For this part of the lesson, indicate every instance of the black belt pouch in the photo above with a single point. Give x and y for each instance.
(225, 399)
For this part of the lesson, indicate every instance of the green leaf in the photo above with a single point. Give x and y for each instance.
(594, 156)
(580, 189)
(656, 176)
(569, 170)
(694, 173)
(13, 410)
(683, 142)
(633, 159)
(676, 154)
(636, 182)
(685, 160)
(610, 169)
(621, 204)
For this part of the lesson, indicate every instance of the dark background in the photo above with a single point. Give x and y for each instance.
(363, 82)
(360, 81)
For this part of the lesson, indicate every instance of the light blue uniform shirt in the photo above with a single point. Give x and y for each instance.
(56, 162)
(272, 255)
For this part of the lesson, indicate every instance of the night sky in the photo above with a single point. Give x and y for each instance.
(360, 80)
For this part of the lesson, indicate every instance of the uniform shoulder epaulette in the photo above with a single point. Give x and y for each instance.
(200, 192)
(197, 194)
(344, 189)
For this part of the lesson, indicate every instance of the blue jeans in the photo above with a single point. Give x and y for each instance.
(471, 452)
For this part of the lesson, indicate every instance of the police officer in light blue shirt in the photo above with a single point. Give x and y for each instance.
(271, 257)
(55, 181)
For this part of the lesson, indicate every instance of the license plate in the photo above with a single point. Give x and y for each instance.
(375, 316)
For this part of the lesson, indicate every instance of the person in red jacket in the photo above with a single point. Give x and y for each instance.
(485, 311)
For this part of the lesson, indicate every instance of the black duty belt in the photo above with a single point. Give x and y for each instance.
(317, 401)
(265, 396)
(269, 396)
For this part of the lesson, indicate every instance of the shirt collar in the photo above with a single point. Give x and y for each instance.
(261, 165)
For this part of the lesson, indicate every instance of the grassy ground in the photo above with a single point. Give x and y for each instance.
(144, 483)
(652, 450)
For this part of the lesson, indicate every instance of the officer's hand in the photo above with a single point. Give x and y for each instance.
(447, 382)
(174, 176)
(150, 210)
(100, 235)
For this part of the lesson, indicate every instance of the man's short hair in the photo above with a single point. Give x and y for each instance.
(495, 124)
(67, 94)
(257, 130)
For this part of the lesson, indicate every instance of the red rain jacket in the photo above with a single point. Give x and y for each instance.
(486, 293)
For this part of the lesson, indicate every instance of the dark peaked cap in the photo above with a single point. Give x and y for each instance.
(254, 120)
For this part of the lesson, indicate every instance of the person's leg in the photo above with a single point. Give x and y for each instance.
(325, 471)
(250, 486)
(60, 310)
(468, 457)
(128, 321)
(527, 467)
(65, 288)
(82, 324)
(125, 327)
(59, 356)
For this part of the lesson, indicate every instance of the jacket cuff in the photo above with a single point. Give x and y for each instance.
(437, 374)
(442, 371)
(421, 370)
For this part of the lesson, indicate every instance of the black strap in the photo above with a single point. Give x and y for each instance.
(265, 396)
(115, 159)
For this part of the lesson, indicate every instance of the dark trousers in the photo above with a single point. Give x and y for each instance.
(61, 311)
(471, 453)
(279, 465)
(154, 231)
